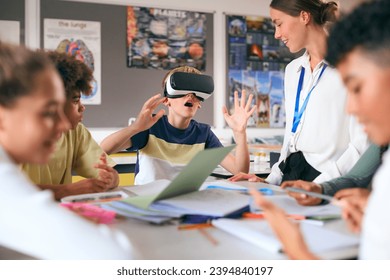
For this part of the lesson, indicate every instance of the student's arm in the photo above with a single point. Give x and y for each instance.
(357, 146)
(121, 139)
(359, 176)
(87, 160)
(54, 232)
(288, 233)
(237, 122)
(90, 161)
(90, 185)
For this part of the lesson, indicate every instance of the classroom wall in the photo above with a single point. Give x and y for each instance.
(14, 12)
(124, 90)
(218, 7)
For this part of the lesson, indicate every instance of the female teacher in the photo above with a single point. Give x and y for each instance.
(321, 142)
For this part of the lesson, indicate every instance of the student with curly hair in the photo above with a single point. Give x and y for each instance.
(31, 122)
(76, 150)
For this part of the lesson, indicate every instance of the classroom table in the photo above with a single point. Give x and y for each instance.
(167, 242)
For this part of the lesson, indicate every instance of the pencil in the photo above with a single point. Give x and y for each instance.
(208, 236)
(194, 226)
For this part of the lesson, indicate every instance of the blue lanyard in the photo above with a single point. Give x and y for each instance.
(298, 113)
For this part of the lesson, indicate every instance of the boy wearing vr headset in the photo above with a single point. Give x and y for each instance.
(166, 143)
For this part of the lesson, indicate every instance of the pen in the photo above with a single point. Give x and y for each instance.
(208, 236)
(261, 216)
(264, 191)
(106, 197)
(194, 226)
(86, 199)
(109, 196)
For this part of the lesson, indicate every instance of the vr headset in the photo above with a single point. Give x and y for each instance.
(180, 84)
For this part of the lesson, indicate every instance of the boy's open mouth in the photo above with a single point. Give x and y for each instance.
(188, 104)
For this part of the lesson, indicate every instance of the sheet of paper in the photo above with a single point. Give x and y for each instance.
(148, 218)
(242, 185)
(290, 206)
(212, 202)
(152, 188)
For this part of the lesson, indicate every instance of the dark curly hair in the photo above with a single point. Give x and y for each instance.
(19, 67)
(75, 74)
(321, 12)
(366, 28)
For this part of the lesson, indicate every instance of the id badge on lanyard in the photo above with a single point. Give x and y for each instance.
(298, 113)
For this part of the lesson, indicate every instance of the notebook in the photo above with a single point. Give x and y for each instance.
(320, 240)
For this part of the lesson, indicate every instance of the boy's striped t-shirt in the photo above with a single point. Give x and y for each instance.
(163, 150)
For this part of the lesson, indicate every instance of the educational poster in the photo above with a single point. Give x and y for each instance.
(242, 80)
(277, 116)
(165, 39)
(259, 60)
(10, 31)
(79, 38)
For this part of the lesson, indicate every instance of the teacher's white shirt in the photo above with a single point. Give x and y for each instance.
(330, 140)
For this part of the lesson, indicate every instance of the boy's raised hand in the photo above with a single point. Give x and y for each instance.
(242, 112)
(145, 118)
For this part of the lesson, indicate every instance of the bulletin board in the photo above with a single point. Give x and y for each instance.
(165, 38)
(124, 90)
(256, 63)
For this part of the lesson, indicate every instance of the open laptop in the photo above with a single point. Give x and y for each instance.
(189, 179)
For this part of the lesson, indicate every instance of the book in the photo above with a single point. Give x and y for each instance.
(181, 196)
(210, 202)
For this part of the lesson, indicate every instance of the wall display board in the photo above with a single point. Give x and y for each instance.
(165, 39)
(256, 62)
(124, 89)
(12, 21)
(82, 40)
(10, 31)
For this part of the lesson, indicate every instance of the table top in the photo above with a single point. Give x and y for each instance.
(167, 242)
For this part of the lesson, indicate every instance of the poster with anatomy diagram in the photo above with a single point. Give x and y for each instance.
(81, 39)
(256, 63)
(165, 39)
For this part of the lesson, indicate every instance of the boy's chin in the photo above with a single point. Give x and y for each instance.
(74, 125)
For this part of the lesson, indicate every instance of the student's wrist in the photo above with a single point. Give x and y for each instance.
(239, 136)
